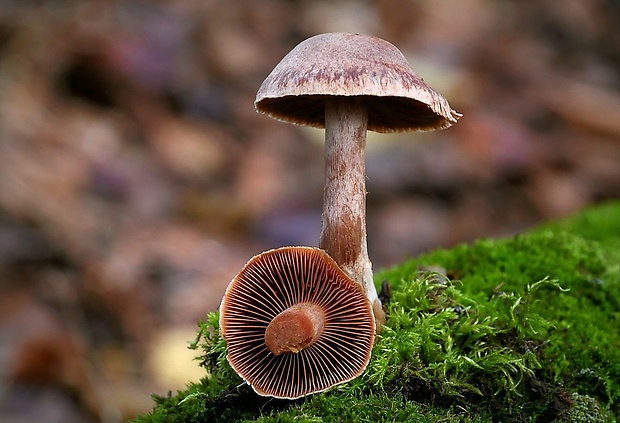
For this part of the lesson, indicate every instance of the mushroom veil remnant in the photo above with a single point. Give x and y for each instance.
(295, 323)
(348, 84)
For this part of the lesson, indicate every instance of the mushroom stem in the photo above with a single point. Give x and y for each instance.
(295, 328)
(343, 231)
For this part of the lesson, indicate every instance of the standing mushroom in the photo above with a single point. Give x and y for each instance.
(295, 323)
(348, 84)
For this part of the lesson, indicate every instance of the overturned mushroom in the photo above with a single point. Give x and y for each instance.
(348, 84)
(295, 323)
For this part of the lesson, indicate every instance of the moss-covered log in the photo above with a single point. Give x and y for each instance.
(520, 329)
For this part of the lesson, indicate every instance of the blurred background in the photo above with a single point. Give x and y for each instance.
(136, 178)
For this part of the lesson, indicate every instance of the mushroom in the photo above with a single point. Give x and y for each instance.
(348, 84)
(295, 323)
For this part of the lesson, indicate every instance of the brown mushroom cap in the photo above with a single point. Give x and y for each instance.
(273, 282)
(340, 64)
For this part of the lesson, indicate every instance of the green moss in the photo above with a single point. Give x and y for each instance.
(520, 329)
